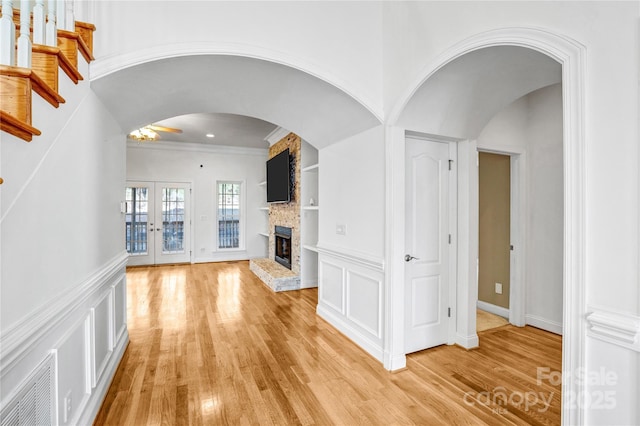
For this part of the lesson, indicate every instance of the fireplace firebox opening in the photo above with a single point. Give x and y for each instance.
(283, 246)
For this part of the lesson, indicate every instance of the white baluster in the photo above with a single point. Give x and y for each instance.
(61, 11)
(69, 19)
(7, 35)
(24, 41)
(38, 22)
(51, 29)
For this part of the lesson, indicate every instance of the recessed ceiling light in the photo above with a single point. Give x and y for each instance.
(210, 135)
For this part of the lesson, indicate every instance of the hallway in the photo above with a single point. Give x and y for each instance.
(210, 344)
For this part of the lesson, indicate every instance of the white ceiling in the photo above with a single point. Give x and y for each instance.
(241, 100)
(302, 103)
(228, 130)
(460, 98)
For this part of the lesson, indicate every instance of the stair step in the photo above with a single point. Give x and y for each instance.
(45, 63)
(85, 30)
(15, 100)
(68, 44)
(17, 83)
(17, 128)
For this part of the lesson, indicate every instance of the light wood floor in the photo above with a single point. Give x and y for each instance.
(486, 320)
(210, 344)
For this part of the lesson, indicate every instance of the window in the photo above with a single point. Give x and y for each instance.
(229, 215)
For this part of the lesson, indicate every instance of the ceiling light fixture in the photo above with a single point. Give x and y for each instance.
(210, 135)
(144, 134)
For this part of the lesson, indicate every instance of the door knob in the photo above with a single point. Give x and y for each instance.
(409, 258)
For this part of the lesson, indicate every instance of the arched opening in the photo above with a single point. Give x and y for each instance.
(458, 96)
(194, 89)
(314, 109)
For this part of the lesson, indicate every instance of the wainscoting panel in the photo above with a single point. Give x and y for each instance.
(74, 371)
(351, 297)
(102, 335)
(331, 293)
(120, 308)
(364, 302)
(84, 330)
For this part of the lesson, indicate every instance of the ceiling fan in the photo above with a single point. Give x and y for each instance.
(150, 132)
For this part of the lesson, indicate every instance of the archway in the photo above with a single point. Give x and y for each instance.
(313, 108)
(461, 124)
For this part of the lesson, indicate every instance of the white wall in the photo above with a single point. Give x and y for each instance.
(165, 162)
(352, 193)
(62, 268)
(62, 211)
(533, 126)
(416, 33)
(342, 43)
(417, 37)
(351, 266)
(311, 35)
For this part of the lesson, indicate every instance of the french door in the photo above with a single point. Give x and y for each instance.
(158, 223)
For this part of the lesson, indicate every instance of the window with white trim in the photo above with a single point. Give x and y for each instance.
(229, 215)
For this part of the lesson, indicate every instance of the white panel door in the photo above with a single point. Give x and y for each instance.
(427, 244)
(158, 223)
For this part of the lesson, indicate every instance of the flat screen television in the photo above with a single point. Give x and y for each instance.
(278, 178)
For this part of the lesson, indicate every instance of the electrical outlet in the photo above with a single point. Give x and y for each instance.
(498, 288)
(341, 229)
(66, 413)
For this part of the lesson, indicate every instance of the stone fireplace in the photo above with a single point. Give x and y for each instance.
(280, 271)
(282, 248)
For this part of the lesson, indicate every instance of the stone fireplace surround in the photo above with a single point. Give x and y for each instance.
(270, 272)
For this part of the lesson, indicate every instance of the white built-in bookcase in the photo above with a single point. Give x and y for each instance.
(309, 212)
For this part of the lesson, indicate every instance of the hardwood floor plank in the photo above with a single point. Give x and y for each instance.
(210, 344)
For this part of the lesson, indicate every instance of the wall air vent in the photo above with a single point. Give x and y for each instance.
(33, 403)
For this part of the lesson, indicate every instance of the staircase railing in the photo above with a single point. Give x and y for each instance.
(35, 42)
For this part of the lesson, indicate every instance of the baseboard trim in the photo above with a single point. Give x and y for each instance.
(468, 342)
(351, 332)
(395, 363)
(99, 393)
(493, 309)
(544, 324)
(231, 256)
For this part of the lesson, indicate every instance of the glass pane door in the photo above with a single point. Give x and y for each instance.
(157, 223)
(173, 220)
(136, 220)
(139, 229)
(172, 214)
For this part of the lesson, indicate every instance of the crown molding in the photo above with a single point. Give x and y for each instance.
(197, 147)
(276, 135)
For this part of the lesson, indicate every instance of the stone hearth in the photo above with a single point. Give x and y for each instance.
(274, 275)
